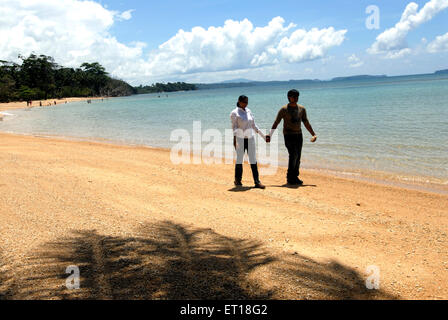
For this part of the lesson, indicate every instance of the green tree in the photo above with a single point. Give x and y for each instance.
(96, 75)
(7, 86)
(38, 72)
(39, 77)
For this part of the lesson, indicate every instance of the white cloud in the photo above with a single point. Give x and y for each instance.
(71, 31)
(238, 45)
(392, 42)
(308, 70)
(74, 31)
(440, 44)
(310, 45)
(125, 15)
(354, 61)
(396, 54)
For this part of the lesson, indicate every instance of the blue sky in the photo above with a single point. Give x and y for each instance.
(345, 46)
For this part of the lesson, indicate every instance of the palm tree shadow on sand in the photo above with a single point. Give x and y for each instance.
(172, 261)
(7, 284)
(4, 279)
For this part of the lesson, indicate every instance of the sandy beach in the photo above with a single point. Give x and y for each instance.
(139, 227)
(4, 106)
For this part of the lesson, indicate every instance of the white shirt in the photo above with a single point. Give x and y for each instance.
(243, 123)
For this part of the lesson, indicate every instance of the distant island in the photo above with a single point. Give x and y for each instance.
(360, 77)
(38, 77)
(240, 80)
(250, 83)
(168, 87)
(445, 71)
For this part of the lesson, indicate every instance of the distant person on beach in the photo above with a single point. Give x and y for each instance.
(40, 103)
(244, 129)
(293, 115)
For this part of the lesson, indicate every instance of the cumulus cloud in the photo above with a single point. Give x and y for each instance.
(238, 45)
(392, 42)
(71, 31)
(396, 54)
(74, 31)
(440, 44)
(354, 61)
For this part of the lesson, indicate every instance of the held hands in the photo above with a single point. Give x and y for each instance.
(313, 139)
(269, 135)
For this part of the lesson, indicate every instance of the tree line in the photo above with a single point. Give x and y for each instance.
(168, 87)
(38, 77)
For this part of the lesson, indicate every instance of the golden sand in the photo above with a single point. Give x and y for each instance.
(139, 227)
(35, 103)
(4, 106)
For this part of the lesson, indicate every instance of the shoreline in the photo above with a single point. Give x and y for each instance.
(390, 179)
(4, 106)
(58, 198)
(384, 178)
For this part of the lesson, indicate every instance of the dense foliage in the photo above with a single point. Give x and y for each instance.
(39, 77)
(169, 87)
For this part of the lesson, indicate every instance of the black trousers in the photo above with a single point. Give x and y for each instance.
(294, 144)
(246, 145)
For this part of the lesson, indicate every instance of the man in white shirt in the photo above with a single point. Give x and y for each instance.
(244, 129)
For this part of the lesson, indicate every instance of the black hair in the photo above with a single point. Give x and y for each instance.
(242, 99)
(293, 93)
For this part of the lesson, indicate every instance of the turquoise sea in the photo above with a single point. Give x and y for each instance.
(394, 128)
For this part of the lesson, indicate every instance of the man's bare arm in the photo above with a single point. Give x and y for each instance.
(308, 127)
(274, 126)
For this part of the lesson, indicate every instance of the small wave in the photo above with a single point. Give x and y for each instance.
(346, 173)
(7, 114)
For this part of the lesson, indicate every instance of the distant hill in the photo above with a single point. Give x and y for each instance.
(241, 80)
(221, 85)
(311, 82)
(358, 77)
(445, 71)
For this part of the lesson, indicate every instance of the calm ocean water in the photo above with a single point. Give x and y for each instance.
(396, 128)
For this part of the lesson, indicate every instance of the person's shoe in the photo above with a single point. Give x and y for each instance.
(259, 186)
(299, 182)
(292, 183)
(238, 183)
